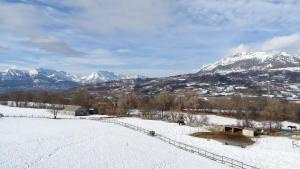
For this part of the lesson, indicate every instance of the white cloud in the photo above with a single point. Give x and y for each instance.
(289, 42)
(4, 49)
(97, 57)
(118, 15)
(238, 49)
(125, 50)
(259, 14)
(20, 18)
(55, 46)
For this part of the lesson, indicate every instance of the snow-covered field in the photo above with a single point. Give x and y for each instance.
(73, 143)
(267, 152)
(84, 144)
(15, 111)
(31, 112)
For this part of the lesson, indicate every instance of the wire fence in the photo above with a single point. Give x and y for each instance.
(195, 150)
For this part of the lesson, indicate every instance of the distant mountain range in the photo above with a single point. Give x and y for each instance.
(15, 79)
(249, 73)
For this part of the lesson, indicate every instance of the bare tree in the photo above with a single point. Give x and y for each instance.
(54, 109)
(81, 98)
(173, 116)
(123, 105)
(191, 118)
(204, 120)
(273, 113)
(164, 101)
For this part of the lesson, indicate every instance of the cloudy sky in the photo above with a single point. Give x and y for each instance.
(148, 37)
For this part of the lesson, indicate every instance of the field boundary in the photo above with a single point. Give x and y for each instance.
(44, 117)
(192, 149)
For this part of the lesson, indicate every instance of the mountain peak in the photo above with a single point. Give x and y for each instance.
(104, 76)
(252, 61)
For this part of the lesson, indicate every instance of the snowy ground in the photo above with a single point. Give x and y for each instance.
(16, 111)
(79, 144)
(48, 143)
(31, 112)
(266, 153)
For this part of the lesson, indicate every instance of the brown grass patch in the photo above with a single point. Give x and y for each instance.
(226, 137)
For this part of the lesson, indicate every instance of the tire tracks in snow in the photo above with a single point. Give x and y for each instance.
(56, 150)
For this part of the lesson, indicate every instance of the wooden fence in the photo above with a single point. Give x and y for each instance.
(195, 150)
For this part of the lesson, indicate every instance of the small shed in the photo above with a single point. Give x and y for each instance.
(70, 109)
(81, 111)
(92, 111)
(249, 132)
(233, 129)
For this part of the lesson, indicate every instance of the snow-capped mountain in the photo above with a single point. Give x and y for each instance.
(15, 79)
(37, 74)
(104, 76)
(255, 61)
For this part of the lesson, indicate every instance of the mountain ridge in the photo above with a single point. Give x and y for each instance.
(254, 61)
(104, 76)
(40, 78)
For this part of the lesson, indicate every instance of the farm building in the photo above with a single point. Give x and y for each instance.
(82, 111)
(233, 129)
(70, 109)
(249, 132)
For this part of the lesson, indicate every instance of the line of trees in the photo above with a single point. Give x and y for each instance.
(258, 108)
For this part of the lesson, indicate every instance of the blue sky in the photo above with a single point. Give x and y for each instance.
(148, 37)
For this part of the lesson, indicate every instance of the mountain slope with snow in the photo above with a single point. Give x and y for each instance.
(13, 74)
(255, 61)
(104, 76)
(14, 79)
